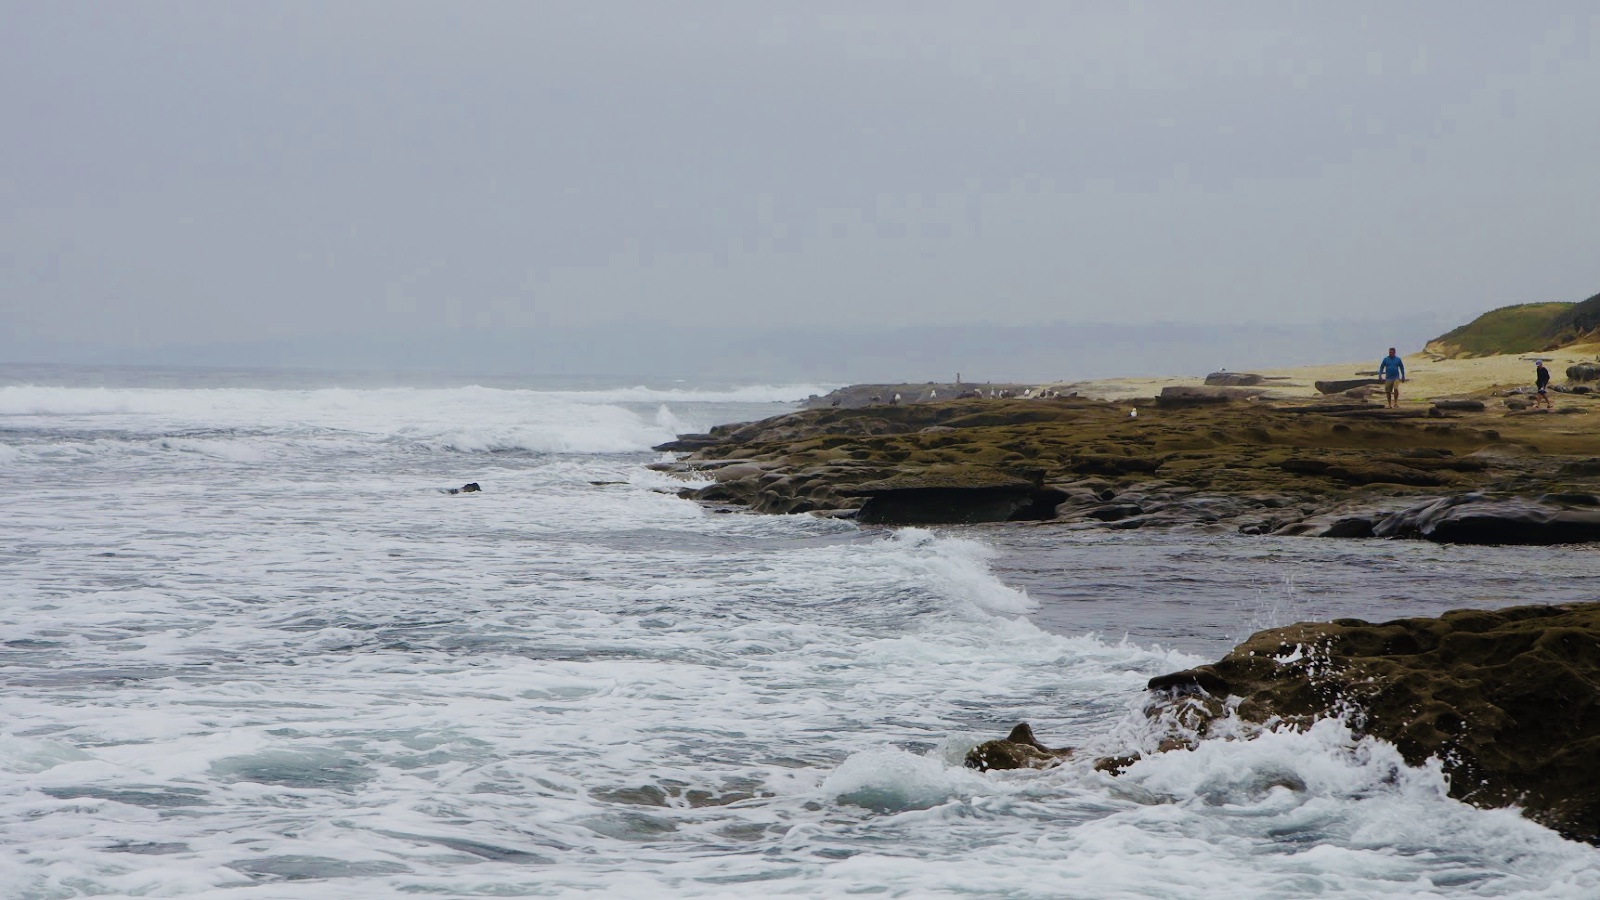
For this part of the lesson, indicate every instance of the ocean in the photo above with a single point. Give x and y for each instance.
(251, 647)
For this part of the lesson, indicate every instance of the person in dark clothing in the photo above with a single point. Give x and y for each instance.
(1541, 384)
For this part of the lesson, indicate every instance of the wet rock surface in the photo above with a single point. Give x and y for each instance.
(1017, 750)
(1507, 700)
(1567, 518)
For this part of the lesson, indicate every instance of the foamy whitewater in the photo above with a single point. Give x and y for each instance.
(250, 648)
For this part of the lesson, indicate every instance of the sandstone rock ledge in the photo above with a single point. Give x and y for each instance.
(1507, 700)
(1230, 461)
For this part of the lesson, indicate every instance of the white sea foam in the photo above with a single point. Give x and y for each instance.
(472, 419)
(765, 393)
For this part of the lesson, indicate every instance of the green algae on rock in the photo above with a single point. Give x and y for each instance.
(1507, 700)
(1252, 466)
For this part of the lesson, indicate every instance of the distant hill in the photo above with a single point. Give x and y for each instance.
(1523, 328)
(1581, 322)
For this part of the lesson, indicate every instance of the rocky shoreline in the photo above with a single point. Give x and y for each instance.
(1220, 458)
(1507, 701)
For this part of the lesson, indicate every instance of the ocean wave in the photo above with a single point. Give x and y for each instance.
(31, 400)
(470, 419)
(758, 393)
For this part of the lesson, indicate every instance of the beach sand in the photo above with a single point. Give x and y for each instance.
(1427, 376)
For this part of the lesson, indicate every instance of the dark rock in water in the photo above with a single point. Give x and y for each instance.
(1477, 519)
(1017, 750)
(1339, 387)
(471, 488)
(1507, 700)
(1233, 379)
(955, 496)
(688, 443)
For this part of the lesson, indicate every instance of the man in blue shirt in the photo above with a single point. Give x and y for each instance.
(1392, 371)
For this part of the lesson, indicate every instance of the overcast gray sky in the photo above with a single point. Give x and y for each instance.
(219, 171)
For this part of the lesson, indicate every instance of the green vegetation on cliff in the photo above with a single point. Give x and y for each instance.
(1580, 320)
(1523, 328)
(1510, 329)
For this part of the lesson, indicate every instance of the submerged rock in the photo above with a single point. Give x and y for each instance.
(1507, 700)
(1017, 750)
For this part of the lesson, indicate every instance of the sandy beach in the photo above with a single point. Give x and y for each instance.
(1428, 377)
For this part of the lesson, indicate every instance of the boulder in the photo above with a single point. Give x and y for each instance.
(1339, 387)
(1584, 372)
(1507, 701)
(1233, 379)
(1017, 750)
(1178, 397)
